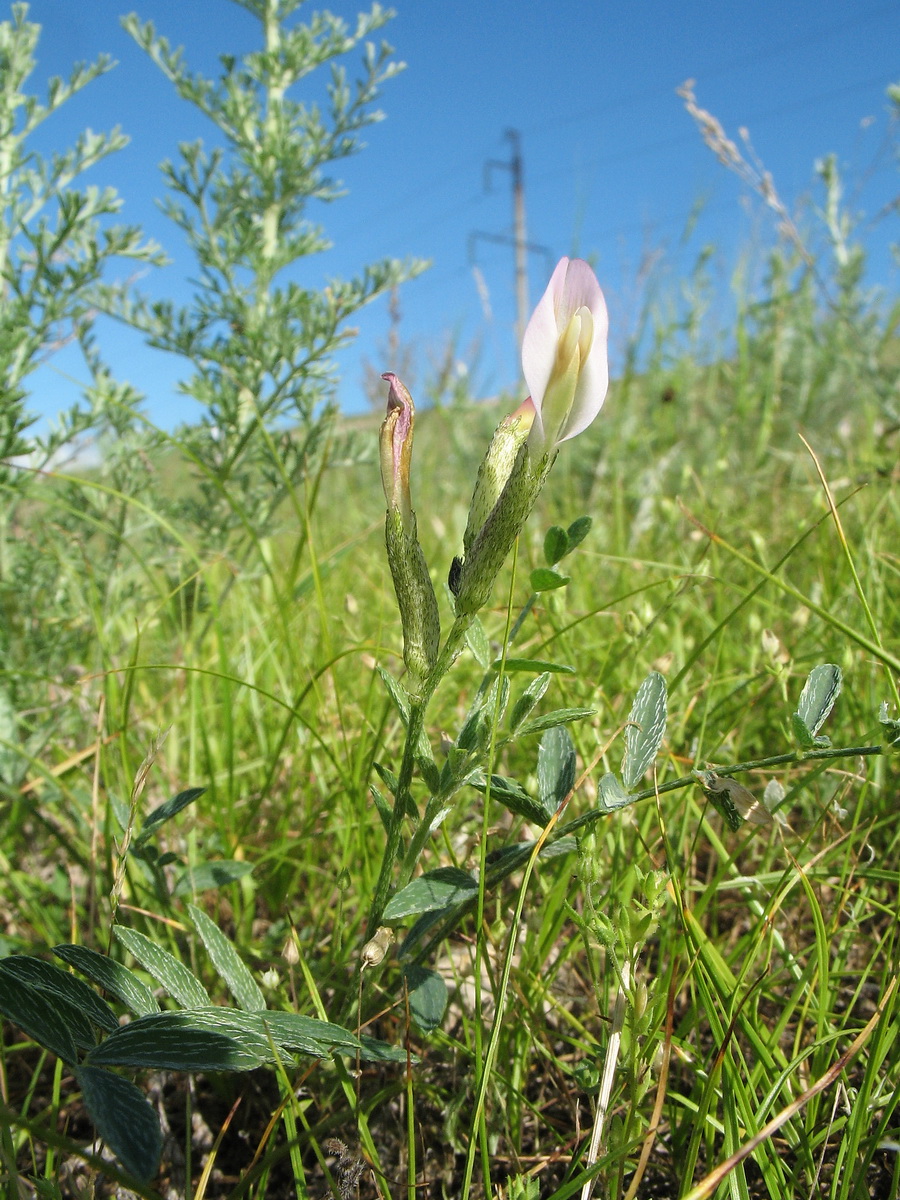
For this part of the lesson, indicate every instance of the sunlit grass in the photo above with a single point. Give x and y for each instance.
(256, 658)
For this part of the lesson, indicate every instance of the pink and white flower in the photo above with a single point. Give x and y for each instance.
(564, 356)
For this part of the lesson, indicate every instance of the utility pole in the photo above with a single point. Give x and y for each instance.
(520, 236)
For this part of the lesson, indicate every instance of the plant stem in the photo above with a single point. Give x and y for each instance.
(382, 887)
(417, 707)
(514, 859)
(776, 760)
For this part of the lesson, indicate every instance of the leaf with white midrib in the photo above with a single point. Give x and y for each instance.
(436, 889)
(645, 730)
(178, 981)
(166, 811)
(526, 703)
(227, 962)
(21, 968)
(550, 720)
(612, 794)
(208, 1039)
(217, 873)
(228, 1039)
(35, 1013)
(513, 796)
(69, 988)
(555, 768)
(819, 693)
(296, 1032)
(111, 976)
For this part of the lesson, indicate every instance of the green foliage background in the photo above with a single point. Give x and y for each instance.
(209, 609)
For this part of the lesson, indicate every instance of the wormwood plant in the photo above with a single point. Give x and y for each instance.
(58, 238)
(260, 349)
(54, 241)
(258, 343)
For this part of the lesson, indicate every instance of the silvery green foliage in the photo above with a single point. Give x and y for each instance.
(257, 343)
(65, 1015)
(556, 769)
(611, 793)
(820, 691)
(646, 728)
(58, 238)
(55, 237)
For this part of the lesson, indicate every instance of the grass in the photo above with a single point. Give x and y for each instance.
(739, 972)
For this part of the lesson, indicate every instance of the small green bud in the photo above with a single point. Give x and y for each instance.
(493, 542)
(640, 998)
(496, 467)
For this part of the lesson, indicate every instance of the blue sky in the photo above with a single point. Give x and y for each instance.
(613, 165)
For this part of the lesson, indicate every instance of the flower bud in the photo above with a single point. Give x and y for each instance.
(416, 600)
(396, 447)
(474, 578)
(496, 467)
(376, 947)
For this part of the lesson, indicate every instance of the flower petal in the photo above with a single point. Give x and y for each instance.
(573, 286)
(593, 379)
(541, 336)
(580, 287)
(396, 446)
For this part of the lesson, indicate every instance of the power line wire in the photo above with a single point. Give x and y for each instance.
(467, 166)
(806, 40)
